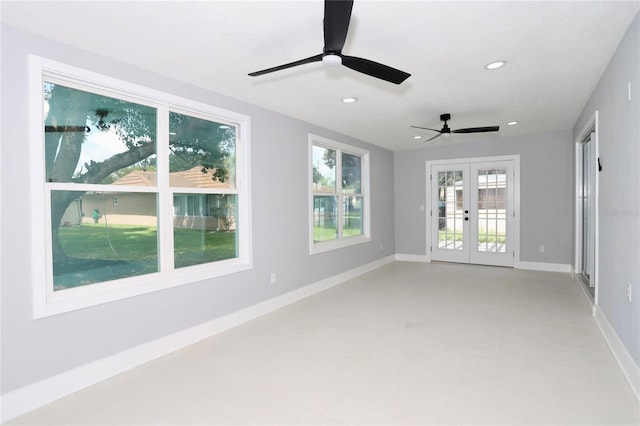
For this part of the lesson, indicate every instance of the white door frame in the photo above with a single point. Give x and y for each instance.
(516, 198)
(591, 126)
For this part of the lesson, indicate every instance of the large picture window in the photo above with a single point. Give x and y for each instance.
(339, 194)
(142, 190)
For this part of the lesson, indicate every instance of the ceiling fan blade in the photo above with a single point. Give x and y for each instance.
(316, 58)
(477, 129)
(65, 129)
(337, 15)
(374, 69)
(425, 128)
(436, 136)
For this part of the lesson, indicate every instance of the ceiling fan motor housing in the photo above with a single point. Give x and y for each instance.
(445, 128)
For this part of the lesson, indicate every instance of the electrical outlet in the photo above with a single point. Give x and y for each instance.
(629, 291)
(381, 246)
(541, 249)
(273, 278)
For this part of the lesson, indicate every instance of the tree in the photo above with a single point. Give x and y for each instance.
(351, 168)
(74, 114)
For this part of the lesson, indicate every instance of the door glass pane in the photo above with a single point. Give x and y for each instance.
(325, 225)
(450, 210)
(103, 236)
(492, 210)
(352, 222)
(204, 228)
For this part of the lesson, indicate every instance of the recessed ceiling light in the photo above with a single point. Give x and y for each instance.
(495, 65)
(417, 137)
(349, 100)
(512, 123)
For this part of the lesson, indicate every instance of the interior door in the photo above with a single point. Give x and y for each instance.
(472, 212)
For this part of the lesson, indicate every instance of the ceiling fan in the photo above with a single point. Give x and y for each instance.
(447, 131)
(337, 14)
(102, 113)
(66, 129)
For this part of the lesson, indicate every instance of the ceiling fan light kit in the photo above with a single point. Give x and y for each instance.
(332, 60)
(337, 15)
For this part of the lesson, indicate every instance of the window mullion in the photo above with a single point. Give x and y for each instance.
(165, 194)
(339, 193)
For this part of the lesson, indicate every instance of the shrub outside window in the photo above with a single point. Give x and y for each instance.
(339, 196)
(143, 190)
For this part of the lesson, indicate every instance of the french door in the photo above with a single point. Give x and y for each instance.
(472, 212)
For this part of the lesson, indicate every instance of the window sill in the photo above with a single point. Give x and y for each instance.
(55, 303)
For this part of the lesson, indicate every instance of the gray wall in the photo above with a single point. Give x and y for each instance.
(546, 178)
(619, 201)
(34, 350)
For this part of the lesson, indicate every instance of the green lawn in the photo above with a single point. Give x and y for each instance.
(328, 231)
(193, 247)
(492, 239)
(98, 253)
(448, 235)
(91, 241)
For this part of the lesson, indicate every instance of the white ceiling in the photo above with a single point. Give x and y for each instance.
(556, 52)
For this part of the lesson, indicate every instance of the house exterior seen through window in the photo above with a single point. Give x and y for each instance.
(138, 186)
(339, 194)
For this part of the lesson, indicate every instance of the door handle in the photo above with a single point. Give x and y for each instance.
(466, 218)
(466, 212)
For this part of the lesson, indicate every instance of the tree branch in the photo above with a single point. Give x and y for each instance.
(96, 172)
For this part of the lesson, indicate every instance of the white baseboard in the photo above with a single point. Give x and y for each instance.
(535, 266)
(541, 266)
(25, 399)
(625, 361)
(411, 258)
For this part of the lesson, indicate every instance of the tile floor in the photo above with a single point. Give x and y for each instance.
(409, 343)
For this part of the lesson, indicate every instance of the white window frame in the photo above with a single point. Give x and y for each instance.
(340, 242)
(46, 302)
